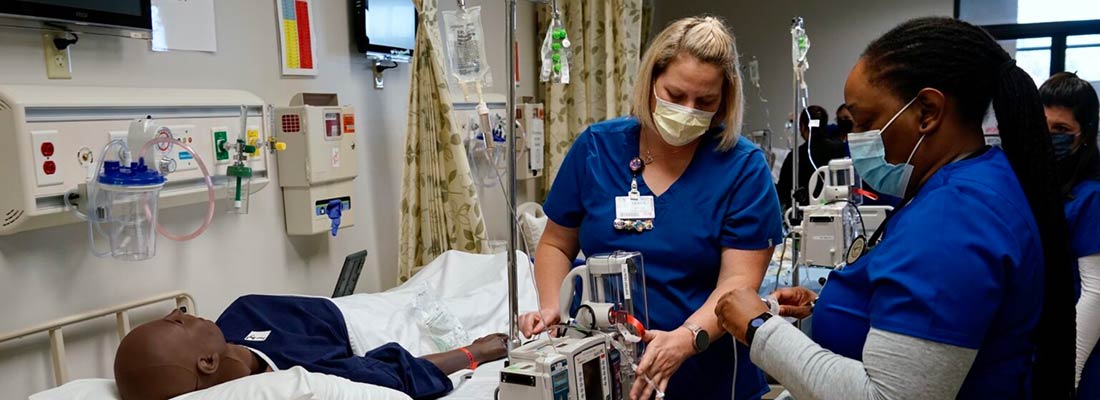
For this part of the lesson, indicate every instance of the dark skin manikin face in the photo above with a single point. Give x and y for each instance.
(933, 115)
(177, 354)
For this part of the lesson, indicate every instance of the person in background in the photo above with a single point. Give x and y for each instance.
(1072, 111)
(968, 295)
(843, 123)
(816, 142)
(715, 213)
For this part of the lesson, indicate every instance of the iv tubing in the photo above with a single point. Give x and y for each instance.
(209, 190)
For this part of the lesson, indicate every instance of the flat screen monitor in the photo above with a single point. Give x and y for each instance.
(129, 14)
(385, 28)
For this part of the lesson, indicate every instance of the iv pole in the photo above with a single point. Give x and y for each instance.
(513, 295)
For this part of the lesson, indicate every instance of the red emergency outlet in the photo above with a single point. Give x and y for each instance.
(49, 167)
(47, 149)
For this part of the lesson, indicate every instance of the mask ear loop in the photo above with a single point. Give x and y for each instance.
(902, 110)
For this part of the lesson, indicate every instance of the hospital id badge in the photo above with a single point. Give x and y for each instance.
(634, 207)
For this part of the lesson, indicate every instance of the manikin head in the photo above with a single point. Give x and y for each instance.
(174, 355)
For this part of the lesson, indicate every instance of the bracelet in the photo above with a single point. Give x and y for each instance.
(469, 356)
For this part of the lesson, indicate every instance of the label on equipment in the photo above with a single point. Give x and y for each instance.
(335, 157)
(257, 336)
(626, 282)
(828, 238)
(349, 123)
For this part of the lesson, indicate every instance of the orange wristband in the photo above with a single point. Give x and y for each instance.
(469, 356)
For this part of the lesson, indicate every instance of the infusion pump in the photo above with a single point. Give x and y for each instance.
(566, 368)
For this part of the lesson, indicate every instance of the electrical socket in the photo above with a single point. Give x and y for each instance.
(57, 61)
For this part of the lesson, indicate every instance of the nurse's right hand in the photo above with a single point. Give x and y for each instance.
(534, 323)
(796, 302)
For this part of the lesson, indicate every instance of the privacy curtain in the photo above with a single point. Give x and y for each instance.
(439, 206)
(606, 42)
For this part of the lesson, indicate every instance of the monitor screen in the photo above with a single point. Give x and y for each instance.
(391, 23)
(384, 28)
(593, 379)
(134, 14)
(128, 7)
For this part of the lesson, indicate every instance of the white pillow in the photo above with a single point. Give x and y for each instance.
(531, 227)
(292, 384)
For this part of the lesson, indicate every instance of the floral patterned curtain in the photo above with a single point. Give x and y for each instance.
(439, 206)
(606, 41)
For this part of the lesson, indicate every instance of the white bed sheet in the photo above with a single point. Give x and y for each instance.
(473, 287)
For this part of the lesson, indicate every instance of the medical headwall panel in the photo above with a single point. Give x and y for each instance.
(50, 137)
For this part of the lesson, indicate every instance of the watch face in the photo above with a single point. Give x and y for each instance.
(702, 340)
(757, 322)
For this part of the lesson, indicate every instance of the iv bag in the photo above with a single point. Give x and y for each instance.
(466, 44)
(434, 320)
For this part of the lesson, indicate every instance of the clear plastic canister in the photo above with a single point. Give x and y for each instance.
(130, 220)
(126, 201)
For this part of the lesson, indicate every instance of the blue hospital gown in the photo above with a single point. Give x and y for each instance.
(310, 332)
(723, 199)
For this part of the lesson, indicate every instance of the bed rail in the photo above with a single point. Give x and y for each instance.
(184, 302)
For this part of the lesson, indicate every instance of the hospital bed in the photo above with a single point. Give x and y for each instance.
(472, 286)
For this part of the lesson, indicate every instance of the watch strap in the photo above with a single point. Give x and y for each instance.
(751, 332)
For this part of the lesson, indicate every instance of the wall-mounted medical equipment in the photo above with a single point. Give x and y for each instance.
(318, 169)
(53, 137)
(384, 30)
(530, 118)
(597, 354)
(128, 14)
(122, 198)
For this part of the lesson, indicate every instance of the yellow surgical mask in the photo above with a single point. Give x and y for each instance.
(679, 125)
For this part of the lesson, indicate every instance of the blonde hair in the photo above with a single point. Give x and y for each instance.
(708, 40)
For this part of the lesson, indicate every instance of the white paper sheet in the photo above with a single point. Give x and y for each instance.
(184, 25)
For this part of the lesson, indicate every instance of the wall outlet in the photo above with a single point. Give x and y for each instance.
(57, 61)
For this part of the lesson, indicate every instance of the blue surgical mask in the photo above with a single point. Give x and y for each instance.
(1063, 144)
(869, 159)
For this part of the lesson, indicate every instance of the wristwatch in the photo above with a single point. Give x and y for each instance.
(755, 324)
(701, 339)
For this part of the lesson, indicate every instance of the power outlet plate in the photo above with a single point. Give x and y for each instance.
(57, 61)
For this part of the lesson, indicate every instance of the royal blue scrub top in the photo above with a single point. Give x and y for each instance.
(723, 199)
(1083, 216)
(961, 264)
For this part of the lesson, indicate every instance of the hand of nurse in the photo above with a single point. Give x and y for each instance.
(736, 308)
(795, 301)
(664, 353)
(536, 322)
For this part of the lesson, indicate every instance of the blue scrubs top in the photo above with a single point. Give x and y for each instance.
(961, 264)
(1083, 216)
(310, 332)
(723, 199)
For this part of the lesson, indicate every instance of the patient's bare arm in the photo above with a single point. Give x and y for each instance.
(486, 349)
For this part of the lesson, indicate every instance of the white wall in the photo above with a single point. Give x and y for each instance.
(49, 273)
(838, 30)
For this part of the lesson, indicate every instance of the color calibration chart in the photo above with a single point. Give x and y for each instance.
(299, 52)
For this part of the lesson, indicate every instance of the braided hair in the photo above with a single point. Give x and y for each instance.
(966, 63)
(1066, 89)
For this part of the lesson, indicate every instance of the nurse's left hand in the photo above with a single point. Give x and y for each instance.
(664, 353)
(736, 308)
